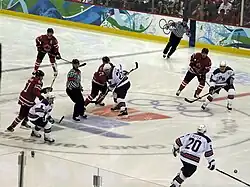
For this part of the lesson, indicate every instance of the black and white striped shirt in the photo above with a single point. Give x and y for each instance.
(179, 29)
(74, 79)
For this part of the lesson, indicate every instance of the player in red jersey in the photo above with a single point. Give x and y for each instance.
(99, 84)
(33, 89)
(47, 43)
(200, 64)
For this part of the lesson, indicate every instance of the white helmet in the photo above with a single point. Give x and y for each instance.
(50, 97)
(223, 64)
(202, 129)
(106, 68)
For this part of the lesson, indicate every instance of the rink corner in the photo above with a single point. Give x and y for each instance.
(82, 26)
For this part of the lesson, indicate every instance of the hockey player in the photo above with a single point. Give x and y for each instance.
(200, 65)
(119, 83)
(177, 31)
(222, 77)
(99, 84)
(32, 90)
(74, 90)
(40, 115)
(191, 147)
(47, 43)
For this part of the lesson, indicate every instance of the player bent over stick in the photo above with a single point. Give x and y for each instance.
(200, 65)
(191, 147)
(222, 77)
(119, 84)
(99, 84)
(40, 115)
(32, 90)
(47, 43)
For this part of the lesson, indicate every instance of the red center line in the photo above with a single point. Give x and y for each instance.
(237, 95)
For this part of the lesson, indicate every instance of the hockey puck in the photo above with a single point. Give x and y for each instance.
(235, 171)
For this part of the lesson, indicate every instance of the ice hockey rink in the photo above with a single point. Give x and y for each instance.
(139, 146)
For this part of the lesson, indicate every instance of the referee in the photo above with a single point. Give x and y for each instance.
(177, 32)
(74, 89)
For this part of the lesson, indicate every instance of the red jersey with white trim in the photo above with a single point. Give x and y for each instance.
(99, 76)
(30, 92)
(192, 146)
(199, 65)
(47, 44)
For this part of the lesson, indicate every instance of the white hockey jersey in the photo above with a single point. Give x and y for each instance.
(192, 146)
(118, 78)
(41, 109)
(219, 78)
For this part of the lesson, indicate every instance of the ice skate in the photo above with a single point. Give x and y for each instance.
(123, 112)
(49, 139)
(35, 134)
(10, 129)
(229, 106)
(178, 93)
(76, 118)
(25, 125)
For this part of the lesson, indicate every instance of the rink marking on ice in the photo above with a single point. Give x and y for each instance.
(86, 60)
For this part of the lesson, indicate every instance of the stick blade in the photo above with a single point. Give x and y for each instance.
(61, 119)
(189, 101)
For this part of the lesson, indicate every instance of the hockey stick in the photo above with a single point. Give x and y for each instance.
(53, 81)
(60, 120)
(224, 173)
(106, 93)
(191, 101)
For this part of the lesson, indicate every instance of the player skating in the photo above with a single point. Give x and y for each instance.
(200, 65)
(99, 84)
(74, 90)
(40, 115)
(47, 43)
(178, 29)
(32, 90)
(119, 83)
(191, 147)
(222, 77)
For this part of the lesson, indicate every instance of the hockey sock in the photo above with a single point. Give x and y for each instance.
(88, 100)
(199, 89)
(182, 86)
(37, 65)
(16, 122)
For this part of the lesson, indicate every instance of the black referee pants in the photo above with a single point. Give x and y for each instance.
(172, 43)
(76, 96)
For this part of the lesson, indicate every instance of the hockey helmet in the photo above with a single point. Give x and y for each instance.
(105, 59)
(50, 97)
(39, 73)
(223, 65)
(205, 51)
(202, 129)
(75, 61)
(50, 31)
(106, 68)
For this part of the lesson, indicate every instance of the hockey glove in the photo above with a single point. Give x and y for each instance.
(175, 151)
(211, 90)
(211, 165)
(51, 120)
(46, 90)
(58, 56)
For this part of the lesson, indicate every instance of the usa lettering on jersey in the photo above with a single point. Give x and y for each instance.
(219, 78)
(192, 146)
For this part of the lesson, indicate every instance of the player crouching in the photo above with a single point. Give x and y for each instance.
(119, 84)
(191, 147)
(40, 115)
(222, 77)
(199, 66)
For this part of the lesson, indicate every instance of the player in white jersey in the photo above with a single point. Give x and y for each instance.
(118, 83)
(40, 115)
(191, 147)
(222, 77)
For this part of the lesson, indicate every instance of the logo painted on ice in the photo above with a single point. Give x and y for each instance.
(102, 121)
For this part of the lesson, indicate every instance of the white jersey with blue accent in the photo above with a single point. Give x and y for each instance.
(219, 78)
(192, 146)
(118, 78)
(41, 109)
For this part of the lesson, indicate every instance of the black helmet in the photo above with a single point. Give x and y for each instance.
(75, 61)
(50, 30)
(39, 73)
(205, 50)
(105, 59)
